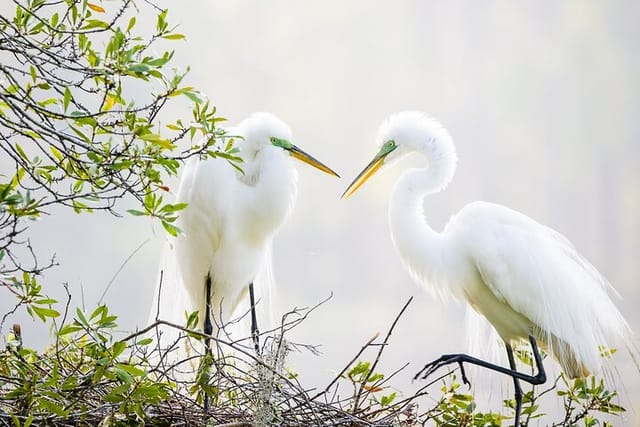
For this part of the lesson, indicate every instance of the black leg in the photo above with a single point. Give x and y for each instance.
(516, 386)
(448, 359)
(208, 325)
(208, 329)
(255, 334)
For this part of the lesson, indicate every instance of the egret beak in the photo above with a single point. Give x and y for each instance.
(310, 160)
(371, 168)
(302, 156)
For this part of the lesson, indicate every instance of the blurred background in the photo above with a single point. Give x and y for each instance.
(541, 98)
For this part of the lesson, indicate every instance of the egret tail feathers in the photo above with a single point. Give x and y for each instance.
(566, 357)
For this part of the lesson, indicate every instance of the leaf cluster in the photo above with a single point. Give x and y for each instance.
(88, 103)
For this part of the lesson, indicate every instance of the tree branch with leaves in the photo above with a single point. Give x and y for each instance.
(87, 118)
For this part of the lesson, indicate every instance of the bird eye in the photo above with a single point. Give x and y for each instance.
(272, 139)
(388, 146)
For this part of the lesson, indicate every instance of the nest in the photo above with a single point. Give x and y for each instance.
(88, 378)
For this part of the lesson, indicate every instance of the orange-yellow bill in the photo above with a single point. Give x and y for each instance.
(375, 164)
(310, 160)
(363, 176)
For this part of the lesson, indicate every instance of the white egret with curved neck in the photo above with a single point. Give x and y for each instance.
(229, 223)
(526, 279)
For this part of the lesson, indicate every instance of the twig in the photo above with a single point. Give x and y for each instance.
(122, 266)
(382, 347)
(347, 366)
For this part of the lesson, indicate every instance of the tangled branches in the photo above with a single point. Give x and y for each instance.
(88, 377)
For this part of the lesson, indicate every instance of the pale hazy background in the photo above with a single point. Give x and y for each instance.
(542, 99)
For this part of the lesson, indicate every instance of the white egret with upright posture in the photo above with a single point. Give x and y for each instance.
(526, 279)
(229, 223)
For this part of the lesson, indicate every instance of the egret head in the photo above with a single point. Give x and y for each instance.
(409, 132)
(266, 130)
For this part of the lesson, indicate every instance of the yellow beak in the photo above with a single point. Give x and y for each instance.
(310, 160)
(363, 176)
(371, 168)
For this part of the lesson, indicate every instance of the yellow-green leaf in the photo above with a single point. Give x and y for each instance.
(171, 229)
(174, 36)
(67, 98)
(156, 139)
(56, 153)
(108, 103)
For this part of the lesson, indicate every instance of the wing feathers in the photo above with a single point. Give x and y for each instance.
(538, 273)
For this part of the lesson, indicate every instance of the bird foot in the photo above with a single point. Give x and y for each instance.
(443, 360)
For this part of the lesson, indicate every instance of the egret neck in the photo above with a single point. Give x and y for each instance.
(412, 235)
(272, 189)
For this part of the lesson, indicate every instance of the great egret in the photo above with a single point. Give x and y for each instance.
(526, 279)
(231, 219)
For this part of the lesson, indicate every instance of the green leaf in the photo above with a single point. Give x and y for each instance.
(192, 319)
(69, 329)
(80, 315)
(95, 23)
(123, 375)
(171, 229)
(66, 99)
(193, 96)
(56, 153)
(31, 134)
(43, 312)
(170, 208)
(375, 377)
(139, 68)
(161, 23)
(173, 36)
(136, 372)
(132, 23)
(78, 206)
(81, 134)
(53, 407)
(28, 421)
(118, 394)
(21, 152)
(135, 212)
(118, 347)
(386, 400)
(99, 311)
